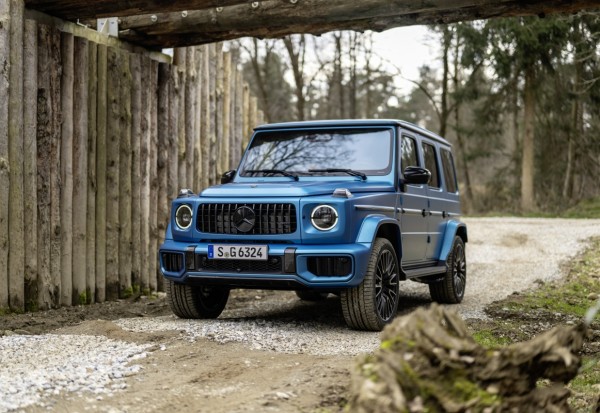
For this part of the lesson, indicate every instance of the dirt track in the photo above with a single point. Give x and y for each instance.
(305, 350)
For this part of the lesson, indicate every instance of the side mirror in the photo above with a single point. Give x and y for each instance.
(416, 175)
(228, 176)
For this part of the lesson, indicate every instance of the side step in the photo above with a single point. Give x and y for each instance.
(425, 271)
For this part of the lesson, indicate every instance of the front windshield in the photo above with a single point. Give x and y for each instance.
(298, 152)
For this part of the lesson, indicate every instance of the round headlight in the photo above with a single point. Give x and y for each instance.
(324, 217)
(183, 216)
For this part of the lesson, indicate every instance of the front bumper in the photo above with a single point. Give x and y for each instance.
(289, 266)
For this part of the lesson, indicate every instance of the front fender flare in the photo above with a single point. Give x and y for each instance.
(452, 229)
(370, 226)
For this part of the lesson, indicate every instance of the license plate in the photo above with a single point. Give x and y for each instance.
(238, 252)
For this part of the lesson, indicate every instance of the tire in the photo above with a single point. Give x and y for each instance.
(451, 289)
(188, 301)
(374, 303)
(311, 295)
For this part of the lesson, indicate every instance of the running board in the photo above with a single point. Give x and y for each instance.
(425, 271)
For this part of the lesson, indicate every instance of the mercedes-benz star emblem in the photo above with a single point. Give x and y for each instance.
(243, 219)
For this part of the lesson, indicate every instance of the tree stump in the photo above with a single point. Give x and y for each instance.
(428, 362)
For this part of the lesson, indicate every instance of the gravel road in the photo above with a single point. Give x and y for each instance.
(100, 363)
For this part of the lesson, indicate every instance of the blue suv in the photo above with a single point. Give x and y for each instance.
(345, 207)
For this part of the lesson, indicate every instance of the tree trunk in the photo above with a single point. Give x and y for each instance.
(125, 176)
(237, 120)
(4, 165)
(527, 163)
(137, 242)
(80, 170)
(66, 175)
(444, 112)
(246, 116)
(101, 173)
(297, 63)
(92, 122)
(576, 117)
(30, 95)
(113, 136)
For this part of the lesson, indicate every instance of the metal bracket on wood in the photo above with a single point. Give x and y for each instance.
(109, 26)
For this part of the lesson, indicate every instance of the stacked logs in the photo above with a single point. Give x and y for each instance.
(96, 139)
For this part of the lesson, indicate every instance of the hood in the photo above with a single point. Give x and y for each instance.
(294, 189)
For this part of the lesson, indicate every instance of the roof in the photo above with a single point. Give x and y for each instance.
(351, 123)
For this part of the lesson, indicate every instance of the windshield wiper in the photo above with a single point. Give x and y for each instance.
(274, 171)
(347, 171)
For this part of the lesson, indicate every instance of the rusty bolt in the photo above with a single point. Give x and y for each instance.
(154, 18)
(254, 4)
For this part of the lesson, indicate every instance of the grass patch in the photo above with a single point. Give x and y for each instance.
(521, 316)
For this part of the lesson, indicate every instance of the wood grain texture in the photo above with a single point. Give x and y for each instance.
(80, 170)
(136, 166)
(90, 283)
(4, 165)
(277, 18)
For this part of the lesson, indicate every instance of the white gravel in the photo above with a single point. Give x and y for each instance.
(504, 255)
(35, 367)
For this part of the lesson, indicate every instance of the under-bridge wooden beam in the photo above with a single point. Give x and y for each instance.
(93, 9)
(276, 18)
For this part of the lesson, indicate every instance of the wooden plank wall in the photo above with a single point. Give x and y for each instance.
(95, 142)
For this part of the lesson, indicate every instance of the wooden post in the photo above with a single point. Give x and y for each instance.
(125, 175)
(161, 145)
(154, 182)
(136, 167)
(145, 201)
(101, 166)
(215, 64)
(198, 121)
(92, 121)
(190, 115)
(113, 135)
(4, 169)
(30, 96)
(48, 167)
(80, 170)
(66, 171)
(173, 138)
(206, 113)
(180, 73)
(16, 255)
(218, 114)
(226, 122)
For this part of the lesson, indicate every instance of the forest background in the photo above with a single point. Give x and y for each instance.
(519, 99)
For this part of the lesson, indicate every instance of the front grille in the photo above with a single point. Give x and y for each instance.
(273, 265)
(335, 266)
(270, 219)
(172, 261)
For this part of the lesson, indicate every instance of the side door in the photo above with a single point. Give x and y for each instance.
(436, 202)
(412, 203)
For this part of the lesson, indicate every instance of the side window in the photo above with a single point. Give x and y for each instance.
(449, 171)
(431, 164)
(409, 152)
